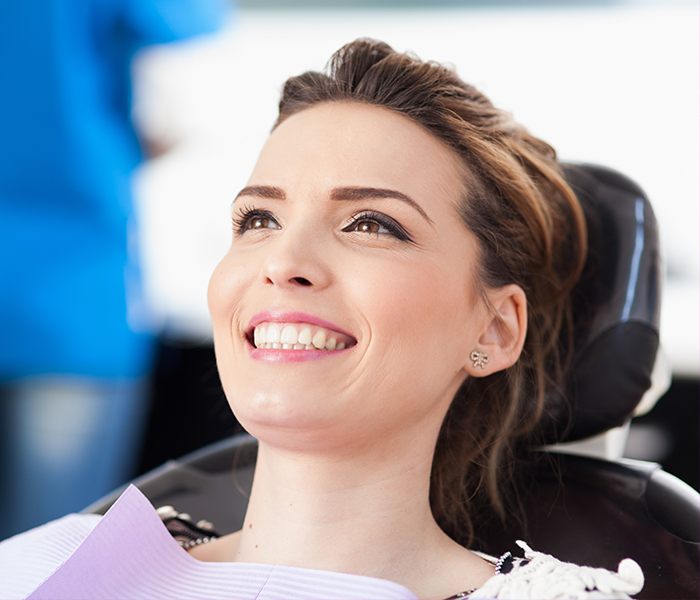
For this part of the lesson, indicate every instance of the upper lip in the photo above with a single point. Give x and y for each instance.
(293, 316)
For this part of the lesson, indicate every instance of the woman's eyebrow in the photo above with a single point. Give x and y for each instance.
(262, 191)
(341, 193)
(372, 193)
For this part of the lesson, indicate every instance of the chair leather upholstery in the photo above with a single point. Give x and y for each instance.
(616, 308)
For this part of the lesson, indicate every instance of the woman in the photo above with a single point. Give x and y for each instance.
(386, 323)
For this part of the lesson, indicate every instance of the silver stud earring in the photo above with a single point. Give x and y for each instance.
(479, 359)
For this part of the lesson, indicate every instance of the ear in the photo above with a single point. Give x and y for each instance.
(503, 334)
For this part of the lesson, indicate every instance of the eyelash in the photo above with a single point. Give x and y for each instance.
(247, 214)
(392, 226)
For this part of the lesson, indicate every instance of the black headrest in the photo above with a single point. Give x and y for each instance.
(616, 307)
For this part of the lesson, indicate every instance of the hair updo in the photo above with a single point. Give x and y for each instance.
(531, 231)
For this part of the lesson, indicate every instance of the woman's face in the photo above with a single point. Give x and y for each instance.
(347, 233)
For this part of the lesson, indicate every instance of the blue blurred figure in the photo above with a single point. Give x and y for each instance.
(75, 344)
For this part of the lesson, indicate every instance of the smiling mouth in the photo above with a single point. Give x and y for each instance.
(297, 336)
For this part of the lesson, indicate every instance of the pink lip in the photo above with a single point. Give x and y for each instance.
(285, 356)
(278, 316)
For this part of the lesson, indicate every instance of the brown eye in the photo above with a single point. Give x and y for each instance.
(366, 226)
(259, 223)
(251, 218)
(377, 225)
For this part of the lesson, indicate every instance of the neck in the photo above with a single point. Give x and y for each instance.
(365, 513)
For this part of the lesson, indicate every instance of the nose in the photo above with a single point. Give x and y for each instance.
(294, 262)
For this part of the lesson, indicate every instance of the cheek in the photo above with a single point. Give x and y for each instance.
(224, 292)
(422, 326)
(224, 295)
(215, 291)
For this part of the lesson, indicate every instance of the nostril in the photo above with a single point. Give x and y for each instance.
(301, 281)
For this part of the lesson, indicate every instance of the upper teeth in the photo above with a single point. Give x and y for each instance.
(298, 336)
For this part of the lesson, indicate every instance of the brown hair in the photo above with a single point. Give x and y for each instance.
(531, 231)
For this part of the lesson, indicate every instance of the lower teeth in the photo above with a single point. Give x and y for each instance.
(277, 346)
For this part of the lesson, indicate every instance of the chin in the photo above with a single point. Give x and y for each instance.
(283, 414)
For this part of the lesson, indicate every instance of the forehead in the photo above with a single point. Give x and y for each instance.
(350, 143)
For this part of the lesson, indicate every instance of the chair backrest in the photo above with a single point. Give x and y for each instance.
(617, 304)
(197, 483)
(584, 510)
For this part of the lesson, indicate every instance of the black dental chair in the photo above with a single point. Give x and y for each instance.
(586, 510)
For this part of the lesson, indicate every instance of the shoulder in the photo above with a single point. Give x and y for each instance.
(28, 558)
(540, 575)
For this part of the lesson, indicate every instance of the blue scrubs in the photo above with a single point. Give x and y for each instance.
(71, 304)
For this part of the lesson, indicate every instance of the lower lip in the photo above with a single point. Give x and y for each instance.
(285, 356)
